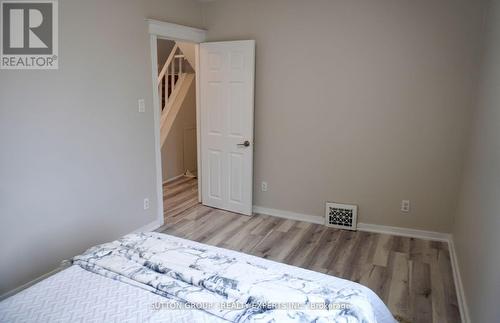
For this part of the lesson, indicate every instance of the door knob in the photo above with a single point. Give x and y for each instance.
(246, 143)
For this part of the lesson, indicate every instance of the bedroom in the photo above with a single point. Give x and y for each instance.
(369, 103)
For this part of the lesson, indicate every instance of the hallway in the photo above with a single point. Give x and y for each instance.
(179, 195)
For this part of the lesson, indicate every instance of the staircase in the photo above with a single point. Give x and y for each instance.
(174, 81)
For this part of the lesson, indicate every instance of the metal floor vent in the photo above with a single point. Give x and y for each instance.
(342, 216)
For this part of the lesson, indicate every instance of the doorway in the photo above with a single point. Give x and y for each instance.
(159, 30)
(224, 90)
(177, 99)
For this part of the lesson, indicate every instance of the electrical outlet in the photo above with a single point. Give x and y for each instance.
(405, 206)
(141, 105)
(146, 203)
(264, 186)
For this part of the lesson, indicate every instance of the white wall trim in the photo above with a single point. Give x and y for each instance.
(459, 287)
(171, 179)
(198, 119)
(289, 215)
(404, 232)
(156, 127)
(399, 231)
(176, 32)
(152, 226)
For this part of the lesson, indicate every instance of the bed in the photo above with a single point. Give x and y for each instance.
(154, 277)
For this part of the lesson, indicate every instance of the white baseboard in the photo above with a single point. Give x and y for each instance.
(462, 301)
(173, 178)
(404, 232)
(398, 231)
(289, 215)
(150, 226)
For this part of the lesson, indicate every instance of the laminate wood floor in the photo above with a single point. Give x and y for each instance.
(412, 276)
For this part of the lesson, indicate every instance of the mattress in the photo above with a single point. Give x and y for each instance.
(75, 294)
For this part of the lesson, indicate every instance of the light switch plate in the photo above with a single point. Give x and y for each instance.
(405, 206)
(141, 105)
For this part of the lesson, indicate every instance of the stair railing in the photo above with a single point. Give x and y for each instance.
(169, 75)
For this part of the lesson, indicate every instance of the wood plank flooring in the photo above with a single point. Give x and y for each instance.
(412, 276)
(179, 195)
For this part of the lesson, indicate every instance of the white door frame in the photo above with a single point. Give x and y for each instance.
(160, 29)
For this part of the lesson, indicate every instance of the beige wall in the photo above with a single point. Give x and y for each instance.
(477, 224)
(179, 151)
(183, 12)
(363, 102)
(76, 157)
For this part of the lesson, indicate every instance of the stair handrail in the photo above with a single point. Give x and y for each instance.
(167, 63)
(169, 75)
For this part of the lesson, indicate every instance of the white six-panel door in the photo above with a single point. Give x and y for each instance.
(227, 72)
